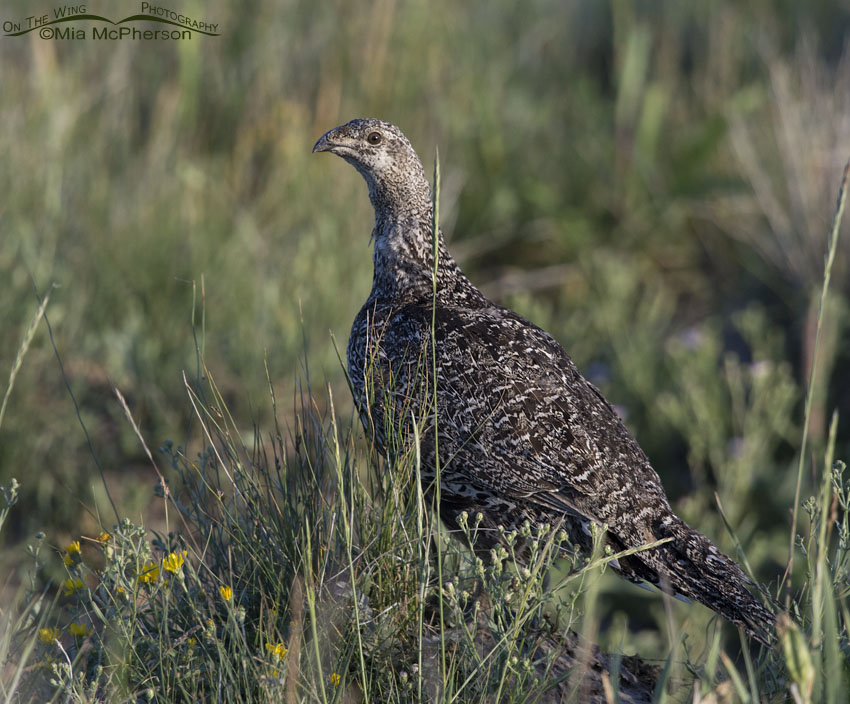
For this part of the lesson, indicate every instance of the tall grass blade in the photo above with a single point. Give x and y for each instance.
(832, 248)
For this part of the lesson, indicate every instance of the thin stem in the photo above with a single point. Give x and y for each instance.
(832, 248)
(435, 233)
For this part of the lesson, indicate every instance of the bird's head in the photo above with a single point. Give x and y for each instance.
(385, 159)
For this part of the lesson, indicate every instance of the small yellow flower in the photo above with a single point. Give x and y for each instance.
(173, 562)
(191, 641)
(48, 635)
(72, 554)
(279, 650)
(103, 537)
(226, 592)
(78, 629)
(69, 586)
(335, 679)
(150, 573)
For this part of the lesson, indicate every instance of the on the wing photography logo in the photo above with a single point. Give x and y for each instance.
(74, 23)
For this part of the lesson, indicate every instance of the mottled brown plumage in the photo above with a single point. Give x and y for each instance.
(522, 436)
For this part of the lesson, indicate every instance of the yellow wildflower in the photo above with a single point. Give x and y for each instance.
(191, 641)
(103, 537)
(226, 592)
(335, 679)
(78, 629)
(72, 554)
(279, 650)
(173, 562)
(69, 586)
(48, 635)
(150, 573)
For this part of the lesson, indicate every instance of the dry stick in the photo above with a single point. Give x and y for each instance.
(832, 247)
(296, 611)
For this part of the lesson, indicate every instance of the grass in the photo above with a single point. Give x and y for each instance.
(648, 183)
(304, 570)
(299, 576)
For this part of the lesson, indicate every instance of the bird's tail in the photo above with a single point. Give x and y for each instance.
(695, 568)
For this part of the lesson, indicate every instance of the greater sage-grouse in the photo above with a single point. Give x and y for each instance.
(522, 436)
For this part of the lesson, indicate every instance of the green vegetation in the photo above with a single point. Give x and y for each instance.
(651, 182)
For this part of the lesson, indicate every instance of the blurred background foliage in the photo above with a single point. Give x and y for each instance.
(653, 182)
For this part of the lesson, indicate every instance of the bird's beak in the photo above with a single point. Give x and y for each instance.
(325, 143)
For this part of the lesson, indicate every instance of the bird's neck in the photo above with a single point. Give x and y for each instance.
(396, 195)
(404, 260)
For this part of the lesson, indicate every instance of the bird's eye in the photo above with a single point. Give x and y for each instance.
(374, 138)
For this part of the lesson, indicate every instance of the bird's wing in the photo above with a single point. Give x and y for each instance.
(531, 426)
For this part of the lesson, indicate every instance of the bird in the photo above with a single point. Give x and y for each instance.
(499, 409)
